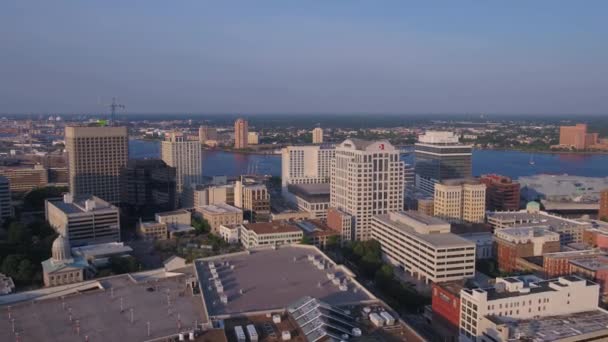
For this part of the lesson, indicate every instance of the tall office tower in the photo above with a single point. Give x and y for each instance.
(6, 210)
(502, 193)
(317, 135)
(306, 165)
(367, 179)
(439, 157)
(185, 156)
(148, 187)
(241, 133)
(603, 212)
(253, 138)
(207, 133)
(96, 155)
(577, 137)
(460, 200)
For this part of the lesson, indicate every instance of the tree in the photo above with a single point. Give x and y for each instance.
(19, 234)
(10, 265)
(34, 200)
(124, 264)
(332, 242)
(25, 271)
(201, 226)
(305, 240)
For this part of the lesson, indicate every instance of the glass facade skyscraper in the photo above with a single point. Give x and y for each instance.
(440, 156)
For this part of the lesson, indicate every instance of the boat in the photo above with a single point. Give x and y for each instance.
(532, 162)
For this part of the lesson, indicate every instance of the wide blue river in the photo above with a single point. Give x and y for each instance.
(509, 163)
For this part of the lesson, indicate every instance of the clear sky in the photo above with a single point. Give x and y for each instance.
(285, 56)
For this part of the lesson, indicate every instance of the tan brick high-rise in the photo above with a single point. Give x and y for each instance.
(241, 133)
(96, 156)
(603, 213)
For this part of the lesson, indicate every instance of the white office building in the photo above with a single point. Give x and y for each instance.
(483, 311)
(424, 246)
(367, 179)
(185, 156)
(305, 165)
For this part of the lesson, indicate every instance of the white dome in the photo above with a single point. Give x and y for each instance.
(61, 249)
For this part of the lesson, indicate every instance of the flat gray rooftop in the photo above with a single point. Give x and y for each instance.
(439, 240)
(98, 312)
(271, 279)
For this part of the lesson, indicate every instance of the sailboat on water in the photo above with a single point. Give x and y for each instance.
(531, 162)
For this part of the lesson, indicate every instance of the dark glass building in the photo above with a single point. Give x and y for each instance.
(147, 187)
(439, 157)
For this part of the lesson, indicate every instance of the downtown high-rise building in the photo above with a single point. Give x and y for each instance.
(367, 179)
(460, 200)
(309, 164)
(185, 156)
(96, 156)
(317, 135)
(439, 157)
(206, 133)
(241, 133)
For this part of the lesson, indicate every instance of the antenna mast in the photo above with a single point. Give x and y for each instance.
(113, 107)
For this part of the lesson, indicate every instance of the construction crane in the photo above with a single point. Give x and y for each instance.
(113, 107)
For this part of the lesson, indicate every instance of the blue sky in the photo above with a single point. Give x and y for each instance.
(304, 56)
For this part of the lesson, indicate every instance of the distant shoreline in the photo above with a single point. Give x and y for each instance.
(545, 152)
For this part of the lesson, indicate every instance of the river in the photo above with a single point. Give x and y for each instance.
(510, 163)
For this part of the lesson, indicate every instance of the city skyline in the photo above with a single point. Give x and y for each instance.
(327, 58)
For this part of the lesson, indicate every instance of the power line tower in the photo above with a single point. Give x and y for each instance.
(113, 107)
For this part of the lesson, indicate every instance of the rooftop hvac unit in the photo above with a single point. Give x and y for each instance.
(191, 336)
(356, 332)
(390, 320)
(343, 287)
(220, 289)
(367, 309)
(376, 319)
(336, 281)
(240, 334)
(311, 257)
(241, 291)
(224, 299)
(253, 334)
(330, 276)
(231, 267)
(285, 335)
(344, 337)
(276, 318)
(181, 336)
(321, 266)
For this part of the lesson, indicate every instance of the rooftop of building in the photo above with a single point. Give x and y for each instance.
(521, 232)
(316, 228)
(315, 189)
(101, 249)
(460, 181)
(95, 307)
(220, 208)
(498, 179)
(81, 204)
(592, 263)
(563, 187)
(524, 218)
(553, 328)
(173, 213)
(438, 240)
(280, 226)
(525, 285)
(271, 279)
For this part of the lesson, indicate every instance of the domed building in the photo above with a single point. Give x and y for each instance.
(62, 268)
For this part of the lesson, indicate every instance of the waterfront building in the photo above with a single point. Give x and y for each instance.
(577, 137)
(220, 214)
(24, 179)
(185, 156)
(460, 200)
(206, 133)
(148, 187)
(426, 206)
(502, 193)
(439, 157)
(83, 220)
(603, 211)
(202, 195)
(424, 246)
(498, 313)
(96, 156)
(305, 165)
(521, 242)
(253, 138)
(367, 179)
(317, 135)
(311, 198)
(6, 209)
(241, 133)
